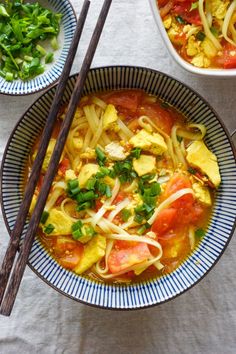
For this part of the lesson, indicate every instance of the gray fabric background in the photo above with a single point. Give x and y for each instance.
(203, 320)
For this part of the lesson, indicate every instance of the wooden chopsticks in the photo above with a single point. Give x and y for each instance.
(9, 292)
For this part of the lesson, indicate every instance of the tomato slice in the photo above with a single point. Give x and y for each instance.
(176, 183)
(126, 99)
(182, 8)
(175, 244)
(165, 221)
(161, 116)
(119, 260)
(71, 259)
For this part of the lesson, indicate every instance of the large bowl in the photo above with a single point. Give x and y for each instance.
(222, 222)
(54, 70)
(184, 64)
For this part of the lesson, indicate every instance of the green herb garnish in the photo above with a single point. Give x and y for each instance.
(200, 36)
(192, 170)
(180, 20)
(48, 229)
(199, 233)
(194, 6)
(44, 217)
(125, 214)
(22, 27)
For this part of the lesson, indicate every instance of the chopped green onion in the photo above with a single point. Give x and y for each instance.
(77, 225)
(108, 192)
(155, 189)
(49, 58)
(125, 214)
(54, 43)
(44, 217)
(180, 20)
(143, 228)
(48, 229)
(136, 153)
(85, 196)
(9, 76)
(200, 36)
(83, 206)
(138, 218)
(194, 6)
(179, 138)
(41, 50)
(192, 170)
(74, 183)
(77, 234)
(91, 183)
(199, 233)
(101, 158)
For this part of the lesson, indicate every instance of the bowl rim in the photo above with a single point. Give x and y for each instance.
(217, 73)
(54, 82)
(233, 149)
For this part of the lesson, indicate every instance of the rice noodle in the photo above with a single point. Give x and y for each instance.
(99, 102)
(128, 133)
(191, 135)
(226, 22)
(107, 203)
(206, 27)
(118, 208)
(65, 201)
(58, 190)
(177, 148)
(98, 267)
(169, 201)
(144, 125)
(208, 12)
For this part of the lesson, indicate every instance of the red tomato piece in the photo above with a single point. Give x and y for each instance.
(161, 116)
(119, 260)
(176, 183)
(165, 221)
(71, 259)
(125, 99)
(64, 165)
(182, 8)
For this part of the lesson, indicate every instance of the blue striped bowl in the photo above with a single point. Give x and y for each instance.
(52, 71)
(221, 225)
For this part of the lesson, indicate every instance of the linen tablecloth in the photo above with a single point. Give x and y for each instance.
(202, 320)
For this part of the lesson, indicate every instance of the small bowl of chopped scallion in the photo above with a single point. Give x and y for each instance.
(34, 43)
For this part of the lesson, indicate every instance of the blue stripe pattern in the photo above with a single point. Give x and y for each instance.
(222, 221)
(53, 71)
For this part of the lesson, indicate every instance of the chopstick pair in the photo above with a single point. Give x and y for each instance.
(9, 285)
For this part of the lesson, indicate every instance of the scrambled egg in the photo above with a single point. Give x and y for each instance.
(202, 193)
(70, 175)
(209, 48)
(201, 61)
(115, 151)
(110, 117)
(89, 154)
(93, 252)
(149, 142)
(145, 164)
(48, 155)
(200, 157)
(192, 46)
(86, 172)
(78, 142)
(167, 21)
(61, 222)
(219, 8)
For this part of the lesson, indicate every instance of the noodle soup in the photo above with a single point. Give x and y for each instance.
(134, 188)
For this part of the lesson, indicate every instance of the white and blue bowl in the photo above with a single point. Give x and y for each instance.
(221, 224)
(54, 70)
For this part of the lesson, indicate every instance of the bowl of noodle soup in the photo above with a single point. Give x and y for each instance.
(143, 203)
